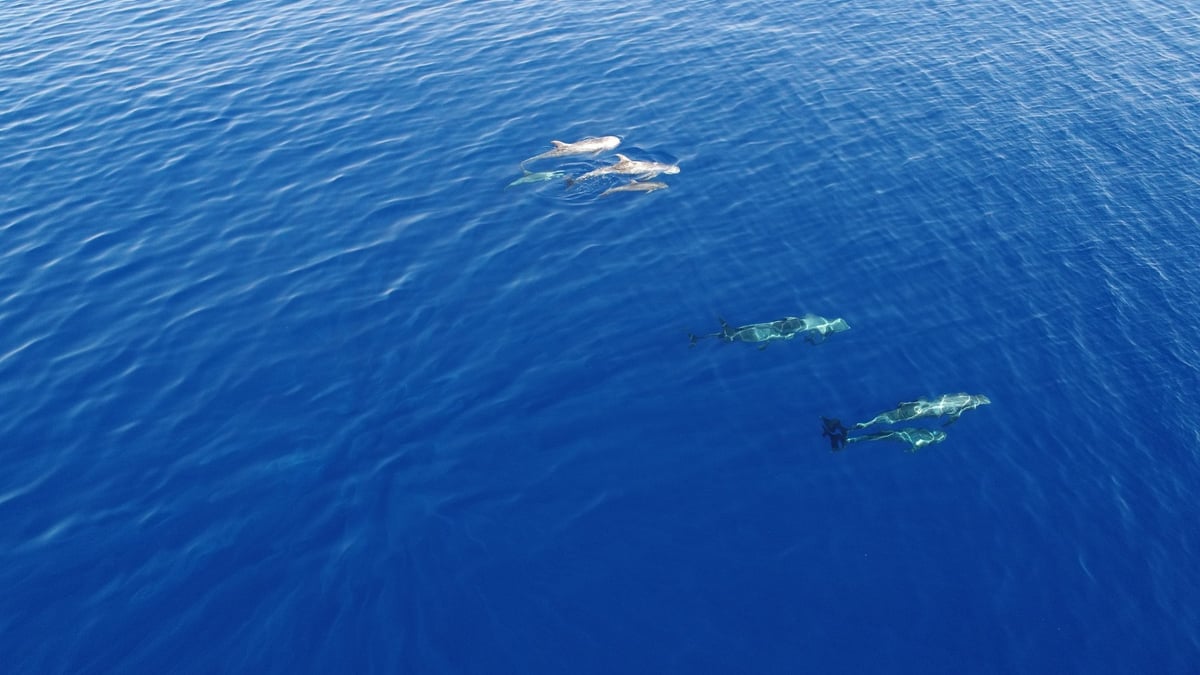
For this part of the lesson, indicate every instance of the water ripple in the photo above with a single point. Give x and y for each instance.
(283, 363)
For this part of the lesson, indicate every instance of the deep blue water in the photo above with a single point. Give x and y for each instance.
(291, 383)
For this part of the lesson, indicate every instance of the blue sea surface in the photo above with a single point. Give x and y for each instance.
(291, 382)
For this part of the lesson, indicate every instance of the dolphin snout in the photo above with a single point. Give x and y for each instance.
(671, 170)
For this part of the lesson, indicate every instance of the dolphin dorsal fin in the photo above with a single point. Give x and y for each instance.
(622, 158)
(558, 144)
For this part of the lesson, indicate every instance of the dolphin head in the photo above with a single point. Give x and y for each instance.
(671, 170)
(608, 142)
(980, 400)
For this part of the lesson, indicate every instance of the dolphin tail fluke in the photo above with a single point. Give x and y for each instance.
(692, 339)
(836, 432)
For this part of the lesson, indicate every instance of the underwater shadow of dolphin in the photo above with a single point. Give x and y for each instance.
(536, 177)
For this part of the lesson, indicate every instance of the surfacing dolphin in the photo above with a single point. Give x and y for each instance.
(814, 329)
(537, 177)
(951, 405)
(632, 167)
(585, 146)
(635, 186)
(916, 438)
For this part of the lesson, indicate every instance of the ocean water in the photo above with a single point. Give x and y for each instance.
(291, 381)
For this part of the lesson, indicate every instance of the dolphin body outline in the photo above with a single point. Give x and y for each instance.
(643, 170)
(591, 145)
(916, 438)
(951, 405)
(815, 329)
(635, 186)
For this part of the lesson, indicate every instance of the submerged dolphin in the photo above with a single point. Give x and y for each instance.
(537, 177)
(585, 146)
(633, 167)
(635, 186)
(951, 405)
(814, 329)
(916, 438)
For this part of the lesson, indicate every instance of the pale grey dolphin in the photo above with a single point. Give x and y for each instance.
(585, 146)
(537, 177)
(783, 329)
(635, 186)
(632, 167)
(951, 405)
(916, 438)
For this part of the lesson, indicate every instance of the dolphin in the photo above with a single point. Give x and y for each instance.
(635, 186)
(811, 326)
(537, 177)
(916, 438)
(951, 405)
(585, 146)
(633, 167)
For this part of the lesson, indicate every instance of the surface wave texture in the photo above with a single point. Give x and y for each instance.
(291, 382)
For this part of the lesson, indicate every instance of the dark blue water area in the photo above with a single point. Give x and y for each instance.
(293, 382)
